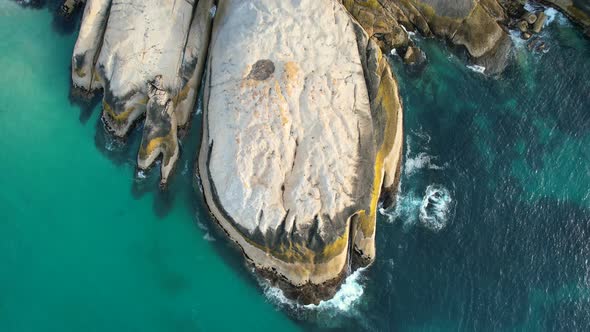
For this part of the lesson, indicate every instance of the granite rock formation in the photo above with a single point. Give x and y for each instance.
(122, 46)
(302, 125)
(302, 129)
(475, 26)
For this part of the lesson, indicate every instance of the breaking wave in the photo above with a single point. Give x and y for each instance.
(554, 15)
(420, 161)
(435, 208)
(347, 296)
(551, 13)
(343, 303)
(432, 209)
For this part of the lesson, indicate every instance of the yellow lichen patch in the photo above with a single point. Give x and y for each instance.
(426, 10)
(146, 150)
(290, 76)
(80, 72)
(182, 95)
(118, 118)
(281, 103)
(335, 248)
(292, 253)
(291, 70)
(95, 75)
(387, 100)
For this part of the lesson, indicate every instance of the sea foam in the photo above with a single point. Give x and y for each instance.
(477, 68)
(436, 208)
(420, 161)
(343, 302)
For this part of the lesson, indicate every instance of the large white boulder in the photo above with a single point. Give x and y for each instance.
(302, 124)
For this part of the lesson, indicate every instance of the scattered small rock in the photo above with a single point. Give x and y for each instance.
(530, 18)
(413, 55)
(541, 17)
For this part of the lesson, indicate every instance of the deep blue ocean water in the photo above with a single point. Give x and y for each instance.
(491, 231)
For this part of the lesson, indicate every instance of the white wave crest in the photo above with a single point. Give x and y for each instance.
(435, 208)
(552, 15)
(477, 68)
(407, 207)
(343, 301)
(420, 161)
(347, 296)
(517, 41)
(409, 33)
(208, 237)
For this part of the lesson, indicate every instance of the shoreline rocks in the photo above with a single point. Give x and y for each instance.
(302, 121)
(473, 25)
(124, 45)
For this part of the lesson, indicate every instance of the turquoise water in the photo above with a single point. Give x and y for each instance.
(504, 244)
(78, 250)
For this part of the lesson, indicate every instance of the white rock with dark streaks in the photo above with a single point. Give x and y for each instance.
(125, 44)
(289, 152)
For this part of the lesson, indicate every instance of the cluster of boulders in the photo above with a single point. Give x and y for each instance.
(531, 23)
(475, 26)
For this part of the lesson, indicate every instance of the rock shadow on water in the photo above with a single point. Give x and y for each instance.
(63, 24)
(87, 103)
(123, 152)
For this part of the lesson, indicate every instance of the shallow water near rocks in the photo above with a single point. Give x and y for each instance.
(84, 245)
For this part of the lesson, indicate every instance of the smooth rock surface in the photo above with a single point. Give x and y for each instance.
(302, 128)
(123, 45)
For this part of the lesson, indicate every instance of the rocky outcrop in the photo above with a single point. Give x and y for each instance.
(123, 45)
(474, 25)
(302, 128)
(69, 6)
